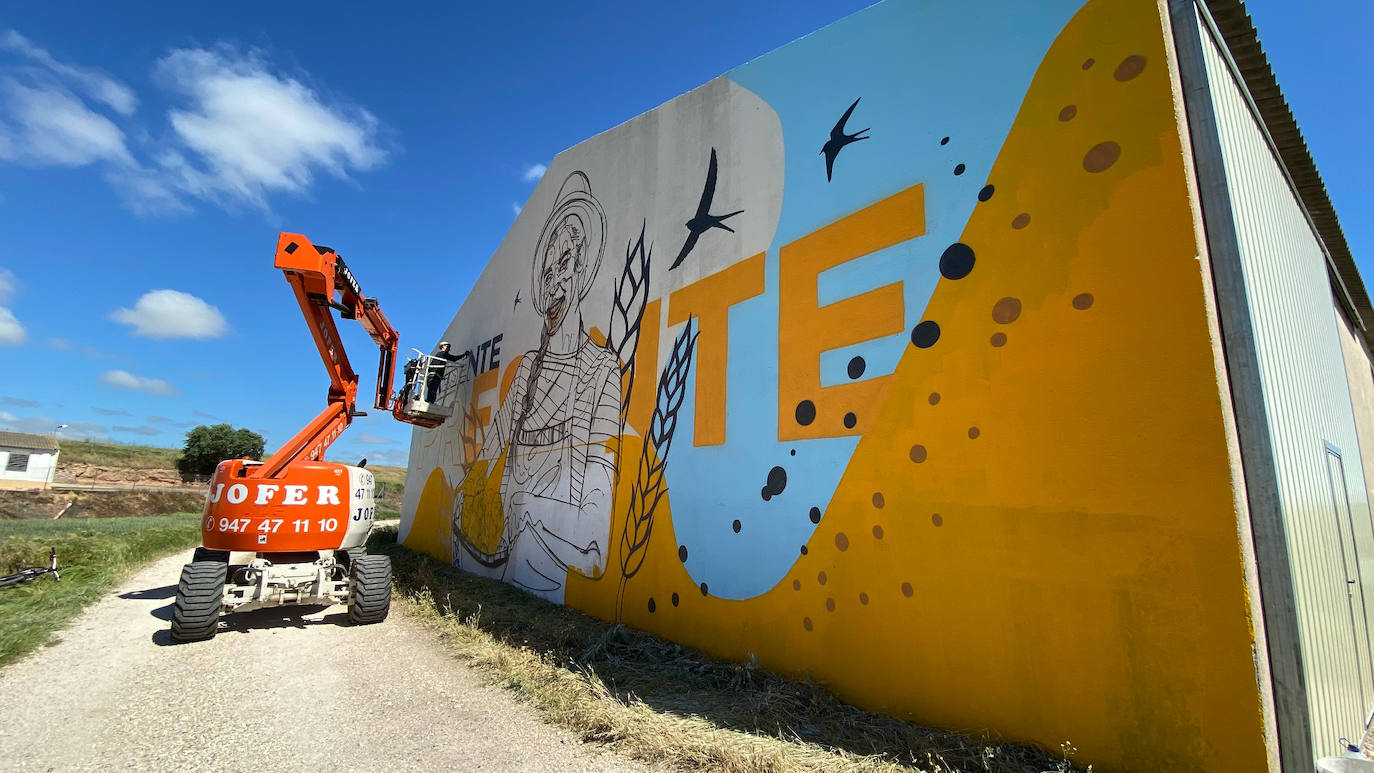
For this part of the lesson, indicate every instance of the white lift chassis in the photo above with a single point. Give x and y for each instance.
(219, 582)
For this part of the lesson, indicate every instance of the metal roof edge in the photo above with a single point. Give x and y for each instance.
(1235, 27)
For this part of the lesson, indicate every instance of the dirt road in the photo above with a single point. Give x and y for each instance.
(274, 691)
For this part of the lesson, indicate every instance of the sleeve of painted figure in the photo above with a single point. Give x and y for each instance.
(498, 433)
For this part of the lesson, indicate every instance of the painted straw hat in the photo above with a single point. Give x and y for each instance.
(574, 198)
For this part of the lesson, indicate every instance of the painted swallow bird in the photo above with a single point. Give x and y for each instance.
(517, 301)
(838, 139)
(703, 220)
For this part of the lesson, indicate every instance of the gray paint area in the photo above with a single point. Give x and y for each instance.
(1359, 372)
(1321, 479)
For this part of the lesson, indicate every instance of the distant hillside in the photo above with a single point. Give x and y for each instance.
(117, 455)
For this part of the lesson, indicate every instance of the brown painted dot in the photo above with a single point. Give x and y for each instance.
(877, 531)
(820, 578)
(1068, 112)
(878, 500)
(934, 398)
(1089, 63)
(1083, 301)
(863, 597)
(806, 623)
(796, 585)
(1020, 221)
(917, 453)
(1130, 67)
(906, 589)
(1006, 311)
(998, 339)
(1101, 156)
(937, 520)
(830, 605)
(973, 433)
(841, 541)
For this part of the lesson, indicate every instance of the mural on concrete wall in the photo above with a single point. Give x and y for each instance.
(927, 409)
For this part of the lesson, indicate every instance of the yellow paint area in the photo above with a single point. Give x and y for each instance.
(1036, 532)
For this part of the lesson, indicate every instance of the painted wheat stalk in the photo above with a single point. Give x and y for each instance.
(650, 486)
(631, 295)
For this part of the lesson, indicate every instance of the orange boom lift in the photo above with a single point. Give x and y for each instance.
(292, 529)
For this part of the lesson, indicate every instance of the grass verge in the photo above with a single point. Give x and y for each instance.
(118, 455)
(665, 704)
(92, 556)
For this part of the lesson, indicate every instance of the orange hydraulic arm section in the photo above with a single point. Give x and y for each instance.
(316, 275)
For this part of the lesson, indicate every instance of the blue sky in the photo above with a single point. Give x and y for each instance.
(149, 153)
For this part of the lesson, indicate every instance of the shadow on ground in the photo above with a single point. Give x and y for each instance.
(299, 617)
(674, 679)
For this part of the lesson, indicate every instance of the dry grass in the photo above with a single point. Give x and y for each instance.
(117, 455)
(665, 704)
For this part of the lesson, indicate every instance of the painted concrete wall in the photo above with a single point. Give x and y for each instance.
(884, 358)
(41, 467)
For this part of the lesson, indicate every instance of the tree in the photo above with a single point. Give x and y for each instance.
(208, 446)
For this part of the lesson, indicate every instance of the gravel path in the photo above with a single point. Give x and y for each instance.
(275, 690)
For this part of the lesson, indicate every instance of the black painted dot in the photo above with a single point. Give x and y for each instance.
(957, 261)
(777, 481)
(986, 193)
(682, 553)
(815, 515)
(703, 589)
(675, 599)
(803, 550)
(763, 492)
(958, 170)
(856, 367)
(736, 526)
(651, 605)
(806, 412)
(924, 335)
(850, 420)
(793, 452)
(944, 141)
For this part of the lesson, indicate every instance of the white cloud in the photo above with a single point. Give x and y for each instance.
(19, 401)
(172, 314)
(96, 84)
(110, 411)
(248, 132)
(140, 430)
(46, 125)
(42, 425)
(515, 208)
(126, 380)
(7, 284)
(11, 332)
(61, 343)
(533, 172)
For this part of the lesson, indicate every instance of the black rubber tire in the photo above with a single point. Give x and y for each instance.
(206, 554)
(370, 600)
(200, 595)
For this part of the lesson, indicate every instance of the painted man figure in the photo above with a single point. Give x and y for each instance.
(558, 418)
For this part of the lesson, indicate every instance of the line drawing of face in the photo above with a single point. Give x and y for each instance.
(562, 262)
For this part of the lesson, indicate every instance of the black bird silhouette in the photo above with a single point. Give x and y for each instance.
(838, 139)
(703, 220)
(517, 300)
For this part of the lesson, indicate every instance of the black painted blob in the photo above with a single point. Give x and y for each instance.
(806, 412)
(803, 550)
(958, 170)
(675, 599)
(651, 605)
(856, 367)
(793, 452)
(924, 335)
(957, 261)
(703, 589)
(944, 141)
(777, 481)
(850, 420)
(815, 515)
(986, 193)
(736, 526)
(682, 553)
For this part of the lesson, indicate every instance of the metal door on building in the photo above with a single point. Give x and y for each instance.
(1358, 631)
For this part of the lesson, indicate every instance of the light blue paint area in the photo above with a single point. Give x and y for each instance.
(925, 70)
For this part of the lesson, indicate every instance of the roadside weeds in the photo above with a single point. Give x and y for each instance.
(667, 705)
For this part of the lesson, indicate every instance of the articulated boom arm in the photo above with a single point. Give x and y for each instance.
(323, 284)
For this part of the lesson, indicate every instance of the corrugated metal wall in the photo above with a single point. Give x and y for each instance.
(1320, 475)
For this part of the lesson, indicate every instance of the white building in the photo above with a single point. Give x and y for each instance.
(27, 461)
